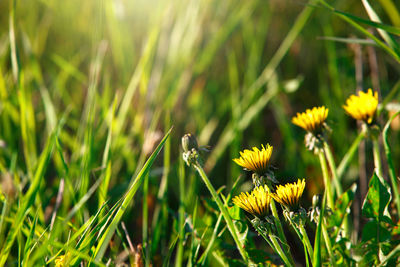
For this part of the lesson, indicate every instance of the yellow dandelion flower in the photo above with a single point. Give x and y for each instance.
(312, 120)
(289, 194)
(256, 160)
(362, 107)
(256, 202)
(62, 260)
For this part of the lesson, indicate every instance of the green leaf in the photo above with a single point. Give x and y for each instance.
(234, 212)
(374, 231)
(377, 199)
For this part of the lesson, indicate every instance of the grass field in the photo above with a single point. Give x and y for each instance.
(95, 97)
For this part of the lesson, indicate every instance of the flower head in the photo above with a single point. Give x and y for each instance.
(256, 202)
(255, 160)
(312, 120)
(289, 194)
(362, 107)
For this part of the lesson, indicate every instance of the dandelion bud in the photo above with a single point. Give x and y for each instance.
(189, 142)
(191, 152)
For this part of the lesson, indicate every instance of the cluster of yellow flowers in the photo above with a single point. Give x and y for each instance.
(361, 107)
(257, 201)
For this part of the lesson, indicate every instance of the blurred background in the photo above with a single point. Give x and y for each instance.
(118, 74)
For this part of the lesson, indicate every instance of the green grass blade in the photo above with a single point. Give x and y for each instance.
(352, 20)
(28, 200)
(372, 14)
(392, 11)
(106, 162)
(388, 28)
(27, 249)
(103, 243)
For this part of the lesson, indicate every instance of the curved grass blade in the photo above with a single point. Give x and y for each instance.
(353, 21)
(387, 28)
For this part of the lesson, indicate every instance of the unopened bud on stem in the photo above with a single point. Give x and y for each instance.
(189, 142)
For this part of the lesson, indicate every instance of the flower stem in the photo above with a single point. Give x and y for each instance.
(332, 166)
(229, 223)
(296, 228)
(306, 240)
(279, 228)
(377, 158)
(325, 175)
(287, 261)
(328, 245)
(274, 244)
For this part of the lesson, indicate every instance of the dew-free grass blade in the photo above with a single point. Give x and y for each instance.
(170, 250)
(28, 200)
(103, 243)
(27, 249)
